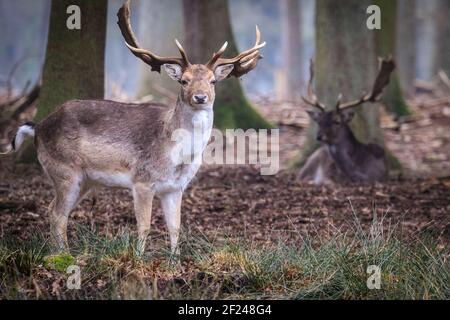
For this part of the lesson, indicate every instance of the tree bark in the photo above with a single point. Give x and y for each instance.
(74, 61)
(292, 59)
(160, 22)
(443, 38)
(406, 40)
(386, 44)
(207, 27)
(427, 38)
(345, 63)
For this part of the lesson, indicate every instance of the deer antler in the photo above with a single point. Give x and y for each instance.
(384, 71)
(148, 57)
(243, 63)
(312, 98)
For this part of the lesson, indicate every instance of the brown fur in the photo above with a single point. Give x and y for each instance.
(98, 142)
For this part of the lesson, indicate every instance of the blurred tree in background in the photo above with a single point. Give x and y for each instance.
(74, 61)
(405, 53)
(443, 43)
(386, 44)
(157, 32)
(291, 47)
(207, 27)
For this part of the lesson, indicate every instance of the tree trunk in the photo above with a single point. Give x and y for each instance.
(443, 37)
(406, 48)
(160, 22)
(427, 38)
(292, 60)
(385, 40)
(345, 63)
(207, 27)
(74, 61)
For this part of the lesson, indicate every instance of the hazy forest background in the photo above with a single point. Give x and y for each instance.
(25, 28)
(415, 33)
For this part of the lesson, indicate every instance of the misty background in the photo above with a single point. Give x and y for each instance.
(24, 26)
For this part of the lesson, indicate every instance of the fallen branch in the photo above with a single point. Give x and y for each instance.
(444, 78)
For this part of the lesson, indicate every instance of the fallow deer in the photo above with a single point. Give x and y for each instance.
(98, 142)
(342, 157)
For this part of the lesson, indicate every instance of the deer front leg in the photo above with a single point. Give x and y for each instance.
(171, 206)
(143, 200)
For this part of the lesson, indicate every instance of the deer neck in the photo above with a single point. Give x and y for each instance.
(346, 144)
(198, 123)
(187, 118)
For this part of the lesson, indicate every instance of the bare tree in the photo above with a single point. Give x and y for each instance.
(442, 59)
(74, 61)
(292, 59)
(386, 44)
(207, 27)
(406, 44)
(159, 23)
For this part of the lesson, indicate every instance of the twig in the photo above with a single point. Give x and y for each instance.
(444, 78)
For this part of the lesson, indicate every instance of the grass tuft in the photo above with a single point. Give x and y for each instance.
(300, 268)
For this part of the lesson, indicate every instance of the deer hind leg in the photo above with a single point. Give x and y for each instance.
(171, 207)
(143, 200)
(310, 169)
(68, 192)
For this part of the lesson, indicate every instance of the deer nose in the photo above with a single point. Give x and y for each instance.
(200, 98)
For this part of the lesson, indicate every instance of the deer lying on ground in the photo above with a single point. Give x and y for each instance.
(342, 157)
(97, 142)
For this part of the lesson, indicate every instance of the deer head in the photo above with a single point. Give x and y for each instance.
(197, 80)
(332, 122)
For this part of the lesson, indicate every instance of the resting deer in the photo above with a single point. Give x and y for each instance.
(98, 142)
(342, 157)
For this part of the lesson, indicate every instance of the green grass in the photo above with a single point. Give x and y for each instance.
(305, 268)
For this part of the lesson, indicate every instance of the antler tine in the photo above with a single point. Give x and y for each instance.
(217, 55)
(312, 98)
(338, 102)
(182, 52)
(382, 80)
(131, 42)
(243, 62)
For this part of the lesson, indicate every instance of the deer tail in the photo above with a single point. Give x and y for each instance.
(24, 131)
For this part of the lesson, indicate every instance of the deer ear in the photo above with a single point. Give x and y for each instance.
(221, 72)
(313, 115)
(347, 116)
(174, 71)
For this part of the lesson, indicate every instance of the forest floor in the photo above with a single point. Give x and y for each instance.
(251, 236)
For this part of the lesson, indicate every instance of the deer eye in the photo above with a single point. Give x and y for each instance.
(184, 82)
(213, 81)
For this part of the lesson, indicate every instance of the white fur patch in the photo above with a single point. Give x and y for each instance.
(111, 179)
(187, 153)
(319, 177)
(202, 122)
(24, 131)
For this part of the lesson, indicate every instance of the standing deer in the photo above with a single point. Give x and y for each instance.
(98, 142)
(342, 157)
